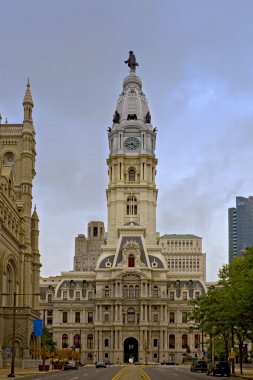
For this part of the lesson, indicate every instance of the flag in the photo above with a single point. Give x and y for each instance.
(38, 327)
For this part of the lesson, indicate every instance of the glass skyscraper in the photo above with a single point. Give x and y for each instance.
(240, 227)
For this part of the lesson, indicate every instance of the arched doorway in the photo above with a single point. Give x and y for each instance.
(131, 350)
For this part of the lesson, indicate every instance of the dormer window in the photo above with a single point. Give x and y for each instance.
(131, 261)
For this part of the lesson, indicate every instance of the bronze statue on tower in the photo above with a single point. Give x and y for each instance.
(131, 61)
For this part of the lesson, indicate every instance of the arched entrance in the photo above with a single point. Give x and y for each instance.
(131, 350)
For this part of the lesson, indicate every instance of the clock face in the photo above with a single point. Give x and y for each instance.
(132, 143)
(9, 158)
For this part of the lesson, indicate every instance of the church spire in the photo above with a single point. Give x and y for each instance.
(28, 103)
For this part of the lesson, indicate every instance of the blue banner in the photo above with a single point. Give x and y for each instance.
(38, 327)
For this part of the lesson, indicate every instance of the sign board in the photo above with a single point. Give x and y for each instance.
(232, 355)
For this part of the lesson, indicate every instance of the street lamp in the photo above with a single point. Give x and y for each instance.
(15, 294)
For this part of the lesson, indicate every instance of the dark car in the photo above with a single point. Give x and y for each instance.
(70, 364)
(199, 365)
(218, 368)
(168, 362)
(100, 364)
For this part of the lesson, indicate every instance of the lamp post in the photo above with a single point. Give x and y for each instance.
(15, 294)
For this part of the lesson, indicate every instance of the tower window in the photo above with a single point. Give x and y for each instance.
(132, 208)
(131, 175)
(95, 232)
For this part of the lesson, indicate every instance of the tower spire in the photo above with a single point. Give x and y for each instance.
(28, 103)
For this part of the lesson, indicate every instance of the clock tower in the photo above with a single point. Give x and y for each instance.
(132, 192)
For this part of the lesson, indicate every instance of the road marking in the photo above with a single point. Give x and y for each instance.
(119, 374)
(85, 374)
(144, 374)
(74, 378)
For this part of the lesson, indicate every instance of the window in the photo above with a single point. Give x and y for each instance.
(90, 341)
(64, 340)
(155, 292)
(131, 205)
(107, 317)
(197, 294)
(90, 317)
(76, 341)
(172, 341)
(131, 175)
(196, 341)
(131, 291)
(95, 231)
(131, 315)
(125, 291)
(184, 341)
(49, 317)
(49, 298)
(77, 317)
(184, 316)
(155, 342)
(65, 295)
(131, 261)
(107, 292)
(64, 317)
(155, 318)
(106, 342)
(90, 295)
(184, 296)
(137, 291)
(172, 317)
(77, 295)
(172, 296)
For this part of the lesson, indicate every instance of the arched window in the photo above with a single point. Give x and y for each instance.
(131, 205)
(131, 315)
(90, 341)
(131, 291)
(64, 340)
(10, 282)
(131, 261)
(131, 175)
(76, 341)
(172, 341)
(125, 291)
(184, 341)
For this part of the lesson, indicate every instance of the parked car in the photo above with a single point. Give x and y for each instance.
(100, 364)
(218, 368)
(199, 365)
(108, 362)
(70, 364)
(169, 362)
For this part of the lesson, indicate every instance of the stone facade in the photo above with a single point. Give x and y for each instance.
(135, 303)
(19, 246)
(88, 250)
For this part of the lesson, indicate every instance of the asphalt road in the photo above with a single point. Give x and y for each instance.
(126, 373)
(176, 373)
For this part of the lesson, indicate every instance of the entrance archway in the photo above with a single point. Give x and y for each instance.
(131, 350)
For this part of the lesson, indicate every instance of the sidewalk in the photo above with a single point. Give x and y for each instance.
(19, 372)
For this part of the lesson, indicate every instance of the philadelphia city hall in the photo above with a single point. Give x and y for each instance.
(128, 294)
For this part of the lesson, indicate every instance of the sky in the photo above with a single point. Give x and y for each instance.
(196, 66)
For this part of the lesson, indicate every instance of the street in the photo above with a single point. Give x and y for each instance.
(123, 373)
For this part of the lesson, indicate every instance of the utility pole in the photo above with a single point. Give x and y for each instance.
(13, 353)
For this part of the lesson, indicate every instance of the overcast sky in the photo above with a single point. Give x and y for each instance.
(196, 65)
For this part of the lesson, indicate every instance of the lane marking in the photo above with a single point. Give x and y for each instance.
(119, 374)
